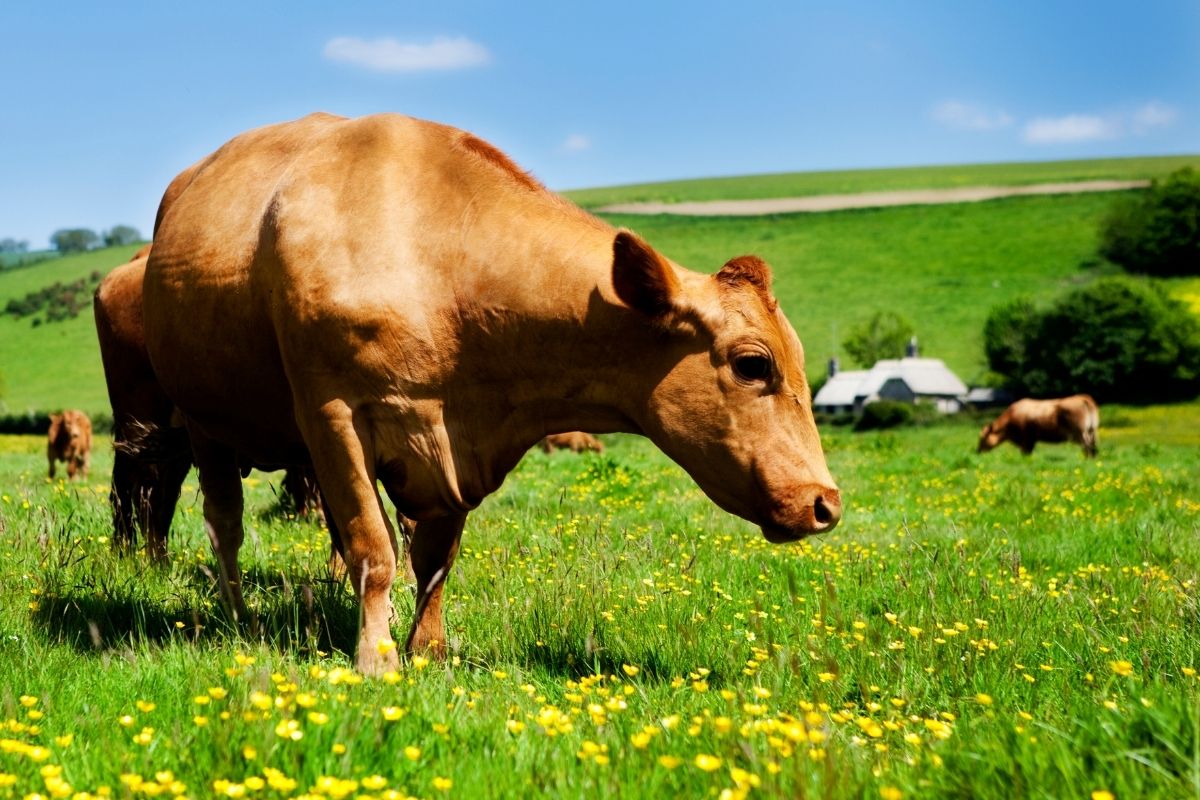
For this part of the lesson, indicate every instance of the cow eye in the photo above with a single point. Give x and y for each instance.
(752, 367)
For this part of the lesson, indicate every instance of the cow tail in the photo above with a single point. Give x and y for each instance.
(154, 444)
(1091, 432)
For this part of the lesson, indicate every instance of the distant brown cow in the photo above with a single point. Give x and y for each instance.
(575, 441)
(70, 440)
(1027, 422)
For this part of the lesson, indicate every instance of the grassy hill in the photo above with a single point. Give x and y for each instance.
(943, 267)
(55, 365)
(801, 184)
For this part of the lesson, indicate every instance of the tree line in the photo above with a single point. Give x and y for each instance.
(78, 240)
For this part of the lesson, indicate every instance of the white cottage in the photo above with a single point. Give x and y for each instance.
(911, 379)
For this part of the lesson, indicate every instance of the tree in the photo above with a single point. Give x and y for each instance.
(1117, 339)
(13, 246)
(884, 335)
(121, 234)
(1158, 232)
(74, 240)
(1004, 336)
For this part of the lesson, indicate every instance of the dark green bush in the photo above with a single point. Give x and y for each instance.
(1118, 339)
(884, 414)
(1157, 232)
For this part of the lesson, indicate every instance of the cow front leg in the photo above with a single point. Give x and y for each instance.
(432, 549)
(221, 483)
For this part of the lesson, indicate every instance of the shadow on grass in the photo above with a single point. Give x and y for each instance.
(577, 658)
(303, 615)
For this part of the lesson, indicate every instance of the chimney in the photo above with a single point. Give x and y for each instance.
(833, 367)
(911, 350)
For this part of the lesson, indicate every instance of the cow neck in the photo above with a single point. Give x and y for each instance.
(563, 354)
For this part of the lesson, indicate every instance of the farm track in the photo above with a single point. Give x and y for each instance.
(841, 202)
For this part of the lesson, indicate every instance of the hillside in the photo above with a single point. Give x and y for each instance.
(944, 267)
(55, 365)
(802, 184)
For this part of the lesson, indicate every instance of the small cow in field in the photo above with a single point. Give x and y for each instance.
(70, 440)
(575, 441)
(1027, 422)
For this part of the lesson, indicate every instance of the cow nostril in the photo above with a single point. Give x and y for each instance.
(826, 512)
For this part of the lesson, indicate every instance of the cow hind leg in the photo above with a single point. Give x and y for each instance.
(221, 483)
(122, 498)
(161, 495)
(432, 550)
(342, 457)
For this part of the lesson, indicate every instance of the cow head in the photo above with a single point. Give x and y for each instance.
(989, 438)
(56, 427)
(732, 405)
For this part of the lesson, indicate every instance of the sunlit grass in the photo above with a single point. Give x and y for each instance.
(978, 626)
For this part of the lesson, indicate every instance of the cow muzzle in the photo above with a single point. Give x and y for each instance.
(814, 509)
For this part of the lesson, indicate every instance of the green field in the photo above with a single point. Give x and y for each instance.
(983, 627)
(943, 267)
(55, 365)
(801, 184)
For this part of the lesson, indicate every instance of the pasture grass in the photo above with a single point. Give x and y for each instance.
(989, 627)
(802, 184)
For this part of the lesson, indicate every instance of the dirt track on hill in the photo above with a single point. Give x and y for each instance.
(839, 202)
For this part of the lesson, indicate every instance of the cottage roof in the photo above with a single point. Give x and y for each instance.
(841, 389)
(924, 376)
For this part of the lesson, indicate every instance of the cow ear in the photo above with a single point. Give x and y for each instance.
(641, 277)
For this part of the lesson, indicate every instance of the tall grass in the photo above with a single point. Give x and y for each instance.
(991, 626)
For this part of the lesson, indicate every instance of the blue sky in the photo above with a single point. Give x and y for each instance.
(106, 102)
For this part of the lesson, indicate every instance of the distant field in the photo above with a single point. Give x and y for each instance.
(56, 365)
(800, 184)
(942, 267)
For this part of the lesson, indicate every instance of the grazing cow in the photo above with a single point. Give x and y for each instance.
(575, 441)
(398, 301)
(146, 484)
(70, 440)
(1027, 422)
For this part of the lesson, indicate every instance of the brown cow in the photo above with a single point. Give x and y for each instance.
(398, 300)
(575, 441)
(70, 440)
(1027, 422)
(146, 485)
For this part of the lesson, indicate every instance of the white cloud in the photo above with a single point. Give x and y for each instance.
(390, 55)
(1153, 115)
(1071, 128)
(575, 143)
(966, 117)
